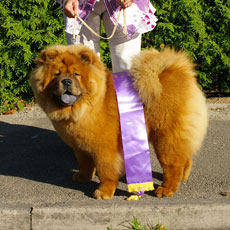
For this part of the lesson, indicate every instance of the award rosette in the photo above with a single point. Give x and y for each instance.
(134, 135)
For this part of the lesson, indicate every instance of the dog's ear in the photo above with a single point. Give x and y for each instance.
(46, 56)
(90, 57)
(87, 56)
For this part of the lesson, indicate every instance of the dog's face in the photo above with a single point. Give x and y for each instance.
(67, 79)
(67, 86)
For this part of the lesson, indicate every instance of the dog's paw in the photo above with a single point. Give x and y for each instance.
(162, 191)
(79, 177)
(100, 195)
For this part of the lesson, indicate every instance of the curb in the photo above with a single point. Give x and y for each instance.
(174, 217)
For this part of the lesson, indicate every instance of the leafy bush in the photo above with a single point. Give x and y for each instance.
(26, 27)
(200, 27)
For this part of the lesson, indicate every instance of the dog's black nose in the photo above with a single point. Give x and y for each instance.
(66, 82)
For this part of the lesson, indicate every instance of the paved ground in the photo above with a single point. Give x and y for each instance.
(36, 191)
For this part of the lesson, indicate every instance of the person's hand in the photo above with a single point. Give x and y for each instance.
(70, 8)
(125, 3)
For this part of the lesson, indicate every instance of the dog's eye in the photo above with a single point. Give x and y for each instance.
(58, 73)
(76, 74)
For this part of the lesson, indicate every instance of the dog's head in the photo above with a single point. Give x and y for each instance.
(66, 84)
(67, 76)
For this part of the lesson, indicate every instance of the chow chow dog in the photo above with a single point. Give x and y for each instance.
(77, 93)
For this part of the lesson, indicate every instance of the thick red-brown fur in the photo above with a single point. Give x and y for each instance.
(174, 106)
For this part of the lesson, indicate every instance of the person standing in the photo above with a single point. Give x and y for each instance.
(140, 18)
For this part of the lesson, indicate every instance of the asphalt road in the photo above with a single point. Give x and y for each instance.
(36, 190)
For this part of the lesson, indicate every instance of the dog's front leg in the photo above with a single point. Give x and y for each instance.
(87, 167)
(108, 165)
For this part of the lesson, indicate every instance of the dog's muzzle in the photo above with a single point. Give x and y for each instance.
(67, 91)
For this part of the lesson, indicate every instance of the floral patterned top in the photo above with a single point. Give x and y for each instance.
(140, 16)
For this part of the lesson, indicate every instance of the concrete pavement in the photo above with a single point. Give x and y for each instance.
(36, 191)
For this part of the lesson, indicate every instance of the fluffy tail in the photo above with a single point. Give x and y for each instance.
(148, 68)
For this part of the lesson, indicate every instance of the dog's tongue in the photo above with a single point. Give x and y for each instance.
(68, 99)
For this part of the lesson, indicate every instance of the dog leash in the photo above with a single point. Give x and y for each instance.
(94, 32)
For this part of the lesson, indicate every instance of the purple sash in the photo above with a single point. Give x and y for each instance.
(134, 135)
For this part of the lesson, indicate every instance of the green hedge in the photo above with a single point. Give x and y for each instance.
(200, 27)
(26, 27)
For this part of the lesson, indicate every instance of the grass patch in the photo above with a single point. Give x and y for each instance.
(136, 225)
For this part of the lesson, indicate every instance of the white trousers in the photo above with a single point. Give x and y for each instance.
(122, 49)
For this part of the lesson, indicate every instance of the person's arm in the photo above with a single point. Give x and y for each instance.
(70, 8)
(125, 3)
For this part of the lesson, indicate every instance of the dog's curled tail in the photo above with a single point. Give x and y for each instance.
(148, 68)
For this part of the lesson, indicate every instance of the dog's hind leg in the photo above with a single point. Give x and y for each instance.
(172, 178)
(176, 164)
(187, 169)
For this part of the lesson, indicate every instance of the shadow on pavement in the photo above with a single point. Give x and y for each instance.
(40, 155)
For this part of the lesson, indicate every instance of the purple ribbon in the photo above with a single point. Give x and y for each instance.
(133, 131)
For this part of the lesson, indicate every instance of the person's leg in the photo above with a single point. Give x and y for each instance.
(122, 50)
(85, 36)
